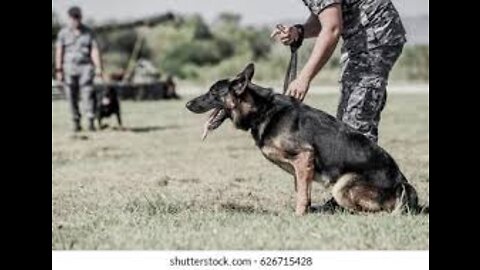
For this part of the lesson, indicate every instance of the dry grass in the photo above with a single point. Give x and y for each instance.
(158, 186)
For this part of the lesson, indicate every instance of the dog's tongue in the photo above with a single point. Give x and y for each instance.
(214, 121)
(205, 131)
(208, 125)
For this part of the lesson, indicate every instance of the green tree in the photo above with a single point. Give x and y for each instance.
(117, 47)
(259, 42)
(415, 61)
(196, 52)
(201, 29)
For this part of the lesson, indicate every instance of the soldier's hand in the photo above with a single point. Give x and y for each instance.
(59, 76)
(286, 35)
(100, 75)
(298, 88)
(104, 77)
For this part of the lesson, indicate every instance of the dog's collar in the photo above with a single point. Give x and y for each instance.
(261, 123)
(262, 117)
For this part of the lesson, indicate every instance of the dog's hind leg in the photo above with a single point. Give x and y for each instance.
(352, 192)
(406, 199)
(119, 118)
(99, 120)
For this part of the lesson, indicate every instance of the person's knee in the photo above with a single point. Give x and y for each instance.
(367, 128)
(364, 106)
(89, 100)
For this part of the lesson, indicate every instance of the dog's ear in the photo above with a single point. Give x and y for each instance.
(240, 83)
(248, 71)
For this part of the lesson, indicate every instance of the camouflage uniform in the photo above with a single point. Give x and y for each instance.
(78, 69)
(373, 37)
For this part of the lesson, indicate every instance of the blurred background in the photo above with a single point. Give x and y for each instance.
(211, 39)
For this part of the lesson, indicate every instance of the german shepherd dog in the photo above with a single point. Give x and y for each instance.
(109, 104)
(311, 145)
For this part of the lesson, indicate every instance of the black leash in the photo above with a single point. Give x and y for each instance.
(291, 69)
(292, 65)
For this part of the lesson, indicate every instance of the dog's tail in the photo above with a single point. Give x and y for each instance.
(407, 198)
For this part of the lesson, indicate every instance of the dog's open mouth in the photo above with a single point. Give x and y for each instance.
(105, 101)
(215, 119)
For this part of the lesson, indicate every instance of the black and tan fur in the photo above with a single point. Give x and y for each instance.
(312, 146)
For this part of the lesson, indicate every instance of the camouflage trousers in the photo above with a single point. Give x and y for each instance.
(80, 87)
(364, 81)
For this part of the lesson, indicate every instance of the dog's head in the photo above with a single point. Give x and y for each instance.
(234, 99)
(108, 96)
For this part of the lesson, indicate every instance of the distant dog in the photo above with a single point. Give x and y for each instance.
(109, 105)
(311, 145)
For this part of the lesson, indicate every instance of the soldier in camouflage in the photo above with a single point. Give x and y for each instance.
(373, 38)
(78, 60)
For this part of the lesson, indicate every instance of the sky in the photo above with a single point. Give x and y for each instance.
(252, 11)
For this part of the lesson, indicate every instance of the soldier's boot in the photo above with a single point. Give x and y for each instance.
(76, 126)
(91, 125)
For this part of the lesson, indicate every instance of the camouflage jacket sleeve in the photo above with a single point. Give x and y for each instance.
(317, 6)
(60, 38)
(94, 39)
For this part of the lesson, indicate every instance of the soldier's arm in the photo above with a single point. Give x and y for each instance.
(96, 58)
(312, 26)
(59, 57)
(331, 20)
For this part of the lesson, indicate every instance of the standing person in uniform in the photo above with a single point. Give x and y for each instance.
(373, 37)
(78, 60)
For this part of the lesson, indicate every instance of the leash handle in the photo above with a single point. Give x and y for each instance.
(291, 73)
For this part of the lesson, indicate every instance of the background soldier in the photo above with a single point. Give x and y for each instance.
(77, 61)
(373, 37)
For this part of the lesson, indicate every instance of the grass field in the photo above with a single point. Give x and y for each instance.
(158, 186)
